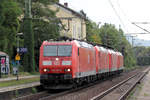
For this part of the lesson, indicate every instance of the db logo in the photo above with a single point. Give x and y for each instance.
(56, 63)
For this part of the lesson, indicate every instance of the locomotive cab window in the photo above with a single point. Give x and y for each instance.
(58, 50)
(50, 50)
(64, 50)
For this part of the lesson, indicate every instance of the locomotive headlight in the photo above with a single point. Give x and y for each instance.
(57, 59)
(47, 62)
(67, 70)
(66, 62)
(46, 70)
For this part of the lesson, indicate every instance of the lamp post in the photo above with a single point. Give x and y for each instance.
(18, 55)
(18, 34)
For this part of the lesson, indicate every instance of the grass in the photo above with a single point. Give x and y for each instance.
(34, 90)
(21, 74)
(138, 88)
(145, 94)
(130, 96)
(19, 82)
(131, 68)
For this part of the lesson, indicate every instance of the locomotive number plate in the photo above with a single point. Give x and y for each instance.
(56, 70)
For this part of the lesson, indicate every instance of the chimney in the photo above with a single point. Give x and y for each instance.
(66, 4)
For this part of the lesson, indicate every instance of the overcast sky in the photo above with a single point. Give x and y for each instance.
(118, 12)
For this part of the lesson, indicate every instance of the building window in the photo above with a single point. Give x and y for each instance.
(79, 32)
(74, 31)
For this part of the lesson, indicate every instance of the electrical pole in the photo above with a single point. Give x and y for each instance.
(28, 9)
(133, 40)
(29, 61)
(132, 37)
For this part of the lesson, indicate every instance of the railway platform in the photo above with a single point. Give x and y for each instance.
(20, 77)
(142, 92)
(21, 86)
(15, 90)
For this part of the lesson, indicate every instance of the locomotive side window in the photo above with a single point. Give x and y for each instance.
(57, 50)
(50, 50)
(64, 50)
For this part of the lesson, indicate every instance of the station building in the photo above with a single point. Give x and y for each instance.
(74, 22)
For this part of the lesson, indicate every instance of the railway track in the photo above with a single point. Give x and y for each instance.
(121, 90)
(88, 91)
(48, 95)
(34, 96)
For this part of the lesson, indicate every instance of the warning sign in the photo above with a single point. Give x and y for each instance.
(17, 57)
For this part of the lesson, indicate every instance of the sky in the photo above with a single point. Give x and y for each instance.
(117, 12)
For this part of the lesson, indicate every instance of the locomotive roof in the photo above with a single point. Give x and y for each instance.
(79, 43)
(56, 42)
(110, 51)
(84, 44)
(114, 52)
(101, 48)
(120, 54)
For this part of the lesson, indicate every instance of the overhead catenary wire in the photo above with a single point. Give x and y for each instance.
(117, 15)
(134, 23)
(141, 28)
(122, 11)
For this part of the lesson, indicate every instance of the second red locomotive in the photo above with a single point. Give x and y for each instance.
(67, 64)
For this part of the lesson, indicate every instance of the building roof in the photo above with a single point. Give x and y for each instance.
(3, 53)
(79, 14)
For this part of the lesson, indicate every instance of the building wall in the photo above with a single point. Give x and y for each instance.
(76, 27)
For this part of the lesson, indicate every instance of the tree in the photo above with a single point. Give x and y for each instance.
(92, 30)
(114, 38)
(110, 35)
(46, 28)
(142, 55)
(43, 29)
(9, 25)
(29, 59)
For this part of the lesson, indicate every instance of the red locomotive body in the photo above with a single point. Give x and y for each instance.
(67, 64)
(121, 62)
(114, 61)
(87, 64)
(56, 62)
(102, 60)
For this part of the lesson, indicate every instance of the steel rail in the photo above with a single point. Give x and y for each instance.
(101, 95)
(132, 87)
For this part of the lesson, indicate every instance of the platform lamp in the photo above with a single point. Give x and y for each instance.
(18, 34)
(18, 56)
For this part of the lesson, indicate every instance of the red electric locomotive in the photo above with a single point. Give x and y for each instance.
(120, 62)
(69, 63)
(102, 60)
(63, 64)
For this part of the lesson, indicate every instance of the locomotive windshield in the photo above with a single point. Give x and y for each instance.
(57, 50)
(50, 50)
